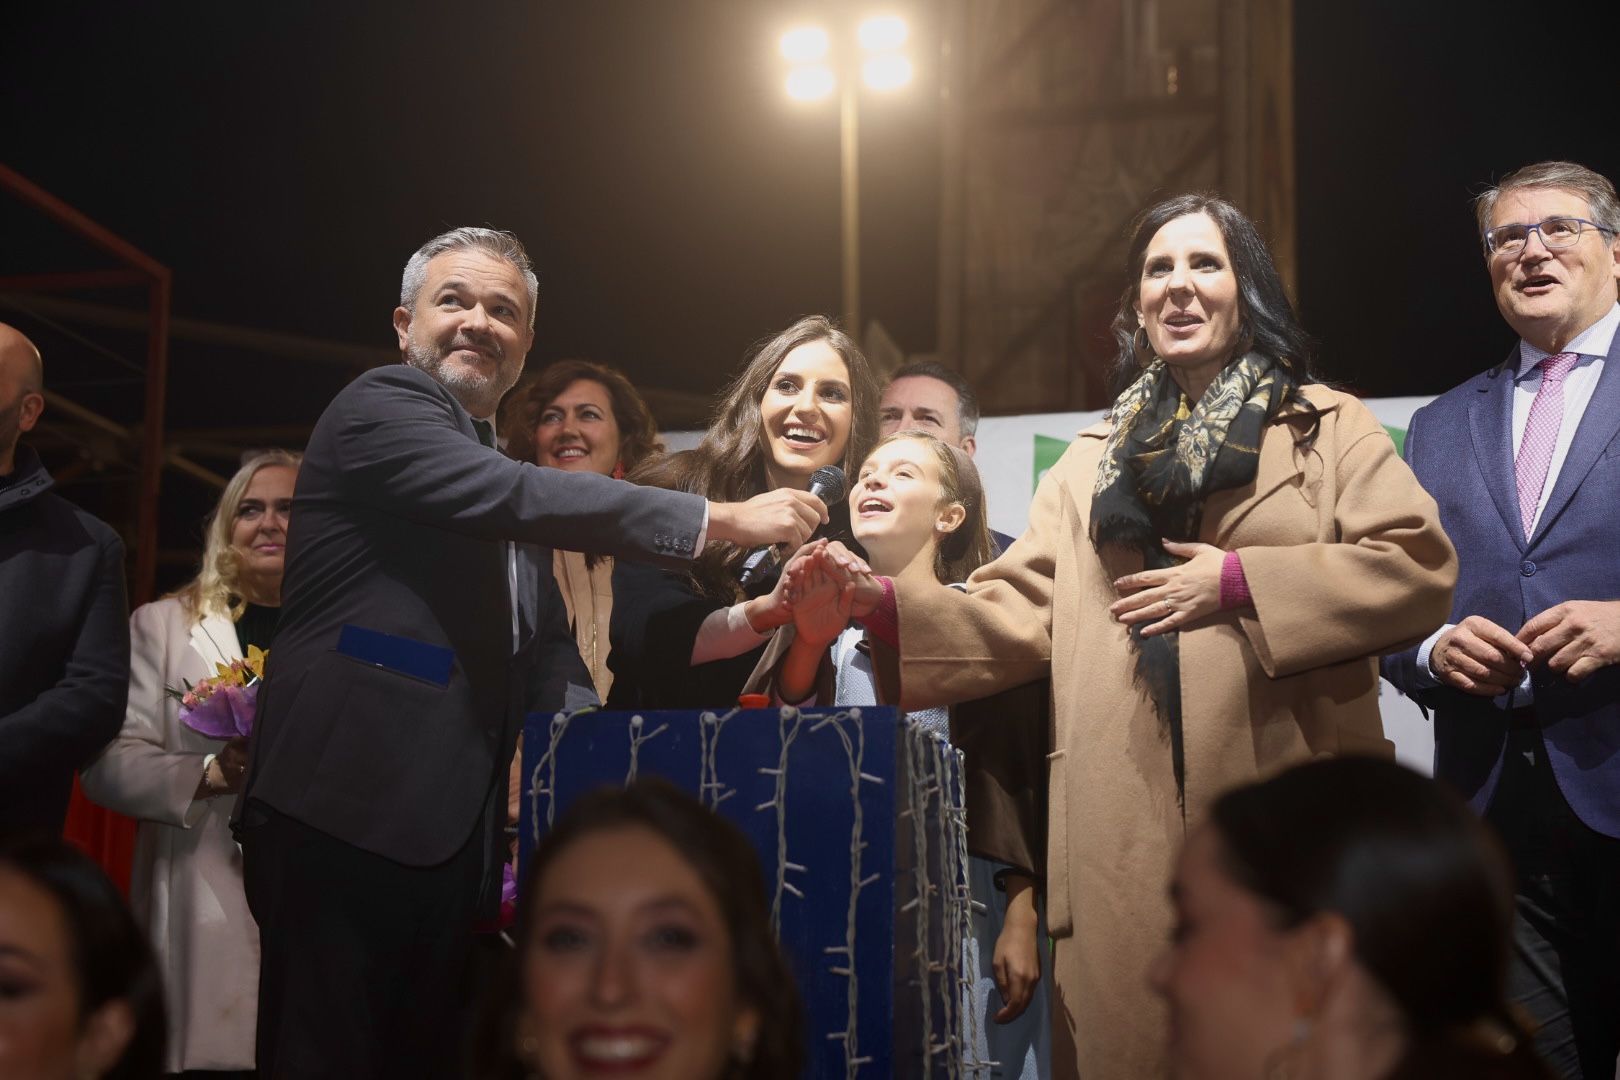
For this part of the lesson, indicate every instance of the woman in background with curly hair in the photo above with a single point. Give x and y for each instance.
(805, 399)
(186, 887)
(581, 416)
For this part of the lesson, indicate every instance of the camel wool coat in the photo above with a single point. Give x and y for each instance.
(1345, 559)
(186, 884)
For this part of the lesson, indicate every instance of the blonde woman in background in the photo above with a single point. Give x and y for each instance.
(186, 888)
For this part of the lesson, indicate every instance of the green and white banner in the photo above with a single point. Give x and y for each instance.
(1015, 452)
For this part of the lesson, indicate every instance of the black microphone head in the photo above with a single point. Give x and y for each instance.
(827, 484)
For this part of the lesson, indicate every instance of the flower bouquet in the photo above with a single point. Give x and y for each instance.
(222, 707)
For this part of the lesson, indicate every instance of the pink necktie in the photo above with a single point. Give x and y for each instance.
(1541, 435)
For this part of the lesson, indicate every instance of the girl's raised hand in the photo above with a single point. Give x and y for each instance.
(862, 590)
(820, 610)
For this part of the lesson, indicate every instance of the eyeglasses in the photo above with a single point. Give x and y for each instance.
(1556, 233)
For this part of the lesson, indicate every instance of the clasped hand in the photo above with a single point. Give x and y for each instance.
(828, 585)
(1168, 599)
(1574, 639)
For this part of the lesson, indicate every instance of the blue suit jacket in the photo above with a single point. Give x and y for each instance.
(1461, 448)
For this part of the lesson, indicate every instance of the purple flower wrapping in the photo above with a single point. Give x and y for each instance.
(224, 714)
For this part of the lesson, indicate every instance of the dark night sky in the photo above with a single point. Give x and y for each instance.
(1404, 109)
(285, 159)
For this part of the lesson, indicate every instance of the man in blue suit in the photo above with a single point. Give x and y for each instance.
(1524, 460)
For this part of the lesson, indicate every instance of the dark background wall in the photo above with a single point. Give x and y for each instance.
(1403, 111)
(285, 159)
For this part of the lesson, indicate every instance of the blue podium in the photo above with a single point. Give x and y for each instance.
(857, 817)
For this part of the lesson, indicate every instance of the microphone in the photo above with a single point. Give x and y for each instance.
(826, 484)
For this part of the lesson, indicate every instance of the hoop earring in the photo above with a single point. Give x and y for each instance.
(1139, 342)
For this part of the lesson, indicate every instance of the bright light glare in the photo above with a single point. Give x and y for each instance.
(810, 83)
(887, 72)
(804, 44)
(882, 33)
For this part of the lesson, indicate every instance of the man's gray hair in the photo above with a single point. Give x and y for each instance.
(1595, 188)
(967, 402)
(497, 242)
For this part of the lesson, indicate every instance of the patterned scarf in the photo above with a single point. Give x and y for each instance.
(1159, 464)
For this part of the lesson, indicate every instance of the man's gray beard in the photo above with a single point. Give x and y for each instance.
(478, 394)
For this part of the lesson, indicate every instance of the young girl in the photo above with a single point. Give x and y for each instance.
(917, 506)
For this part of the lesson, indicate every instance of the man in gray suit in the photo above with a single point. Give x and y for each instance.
(372, 819)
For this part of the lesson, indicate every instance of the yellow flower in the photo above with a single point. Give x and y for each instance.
(255, 660)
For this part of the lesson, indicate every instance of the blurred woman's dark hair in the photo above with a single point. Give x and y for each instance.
(725, 862)
(110, 958)
(520, 411)
(1423, 885)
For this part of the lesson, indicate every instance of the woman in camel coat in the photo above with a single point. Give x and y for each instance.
(186, 886)
(1182, 665)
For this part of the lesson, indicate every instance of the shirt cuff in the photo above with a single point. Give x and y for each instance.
(702, 540)
(883, 622)
(1234, 585)
(1424, 674)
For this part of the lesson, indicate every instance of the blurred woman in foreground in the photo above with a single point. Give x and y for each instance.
(644, 947)
(79, 994)
(1345, 920)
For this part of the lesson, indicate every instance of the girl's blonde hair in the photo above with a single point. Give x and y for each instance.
(957, 554)
(215, 590)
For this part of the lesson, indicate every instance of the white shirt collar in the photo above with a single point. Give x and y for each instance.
(1595, 340)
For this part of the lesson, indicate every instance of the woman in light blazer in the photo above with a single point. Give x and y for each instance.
(186, 888)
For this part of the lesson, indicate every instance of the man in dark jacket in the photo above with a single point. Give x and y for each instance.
(372, 820)
(64, 630)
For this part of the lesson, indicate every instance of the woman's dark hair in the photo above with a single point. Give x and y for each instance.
(1266, 324)
(729, 464)
(1425, 888)
(520, 412)
(725, 862)
(109, 953)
